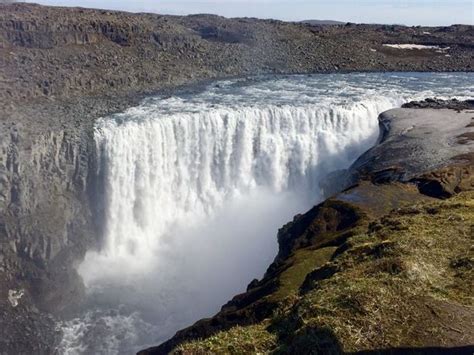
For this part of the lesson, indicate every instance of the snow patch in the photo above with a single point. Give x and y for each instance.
(416, 46)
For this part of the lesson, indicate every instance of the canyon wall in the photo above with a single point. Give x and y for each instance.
(46, 225)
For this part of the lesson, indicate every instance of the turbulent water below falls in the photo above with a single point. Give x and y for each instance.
(195, 186)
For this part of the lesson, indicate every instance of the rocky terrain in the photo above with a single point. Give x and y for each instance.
(61, 68)
(383, 265)
(64, 52)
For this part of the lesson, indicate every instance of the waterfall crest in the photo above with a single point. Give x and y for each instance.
(181, 168)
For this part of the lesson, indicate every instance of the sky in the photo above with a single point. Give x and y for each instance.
(408, 12)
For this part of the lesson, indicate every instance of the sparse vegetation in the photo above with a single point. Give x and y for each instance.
(238, 340)
(405, 282)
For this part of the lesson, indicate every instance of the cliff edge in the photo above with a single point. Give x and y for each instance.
(383, 266)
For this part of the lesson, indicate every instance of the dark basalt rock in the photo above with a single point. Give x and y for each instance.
(409, 152)
(330, 218)
(446, 182)
(452, 104)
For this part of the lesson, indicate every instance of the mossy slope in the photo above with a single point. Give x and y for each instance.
(403, 282)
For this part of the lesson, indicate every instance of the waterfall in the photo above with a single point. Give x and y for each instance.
(181, 168)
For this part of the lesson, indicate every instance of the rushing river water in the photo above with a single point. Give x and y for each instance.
(195, 186)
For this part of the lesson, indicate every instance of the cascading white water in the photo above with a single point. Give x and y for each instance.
(196, 186)
(181, 168)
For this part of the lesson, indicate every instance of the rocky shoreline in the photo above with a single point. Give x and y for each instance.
(62, 68)
(419, 162)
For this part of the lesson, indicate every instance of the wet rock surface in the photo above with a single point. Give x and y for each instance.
(452, 104)
(415, 142)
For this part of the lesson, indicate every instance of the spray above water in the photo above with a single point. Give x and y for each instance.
(196, 186)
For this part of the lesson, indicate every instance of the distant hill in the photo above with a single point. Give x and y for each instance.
(323, 22)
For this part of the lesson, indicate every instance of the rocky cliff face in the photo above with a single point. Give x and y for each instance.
(45, 226)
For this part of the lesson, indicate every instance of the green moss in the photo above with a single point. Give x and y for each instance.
(303, 262)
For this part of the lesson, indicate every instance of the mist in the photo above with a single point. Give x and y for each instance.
(198, 267)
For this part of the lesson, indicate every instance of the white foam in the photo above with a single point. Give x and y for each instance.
(108, 332)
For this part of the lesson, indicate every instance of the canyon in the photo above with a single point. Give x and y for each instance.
(62, 69)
